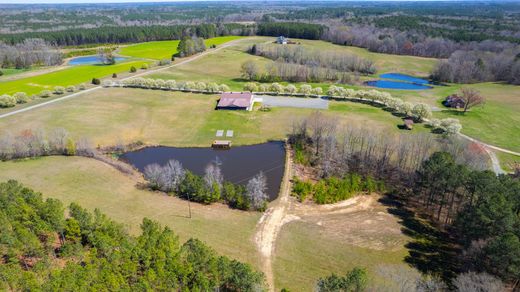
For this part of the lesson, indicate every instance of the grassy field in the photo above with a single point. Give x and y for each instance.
(68, 76)
(108, 116)
(11, 71)
(495, 123)
(304, 253)
(94, 184)
(165, 49)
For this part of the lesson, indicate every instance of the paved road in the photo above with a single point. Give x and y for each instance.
(133, 76)
(299, 102)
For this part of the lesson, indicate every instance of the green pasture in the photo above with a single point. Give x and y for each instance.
(165, 49)
(69, 76)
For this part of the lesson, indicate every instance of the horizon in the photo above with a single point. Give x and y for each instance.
(176, 1)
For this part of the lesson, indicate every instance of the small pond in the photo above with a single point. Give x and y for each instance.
(238, 164)
(90, 60)
(400, 81)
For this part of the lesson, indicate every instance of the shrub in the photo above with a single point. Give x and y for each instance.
(173, 57)
(212, 87)
(114, 75)
(318, 91)
(251, 87)
(71, 88)
(59, 90)
(305, 89)
(144, 66)
(276, 88)
(290, 89)
(96, 81)
(133, 69)
(165, 62)
(82, 86)
(223, 88)
(7, 101)
(21, 97)
(301, 189)
(45, 93)
(1, 73)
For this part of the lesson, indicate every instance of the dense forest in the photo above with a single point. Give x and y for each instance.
(477, 213)
(291, 29)
(41, 249)
(130, 34)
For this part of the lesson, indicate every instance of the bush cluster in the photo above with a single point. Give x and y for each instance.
(188, 86)
(277, 88)
(333, 189)
(448, 126)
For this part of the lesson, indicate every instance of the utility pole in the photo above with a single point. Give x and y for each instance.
(189, 206)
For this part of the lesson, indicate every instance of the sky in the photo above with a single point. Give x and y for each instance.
(109, 1)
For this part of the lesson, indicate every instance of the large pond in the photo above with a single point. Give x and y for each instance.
(400, 81)
(238, 164)
(90, 60)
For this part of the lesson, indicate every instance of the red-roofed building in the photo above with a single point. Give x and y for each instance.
(236, 101)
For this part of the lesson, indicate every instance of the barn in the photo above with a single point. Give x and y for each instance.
(236, 101)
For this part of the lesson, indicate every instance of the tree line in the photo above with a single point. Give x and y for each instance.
(29, 52)
(172, 178)
(297, 54)
(126, 34)
(298, 30)
(42, 249)
(189, 46)
(479, 66)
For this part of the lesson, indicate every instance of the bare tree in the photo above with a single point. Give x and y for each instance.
(172, 175)
(153, 173)
(213, 176)
(482, 282)
(320, 126)
(256, 191)
(249, 70)
(471, 98)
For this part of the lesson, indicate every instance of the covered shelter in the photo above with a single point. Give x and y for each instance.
(236, 101)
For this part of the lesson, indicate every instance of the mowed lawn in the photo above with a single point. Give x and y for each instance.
(110, 116)
(165, 49)
(94, 184)
(69, 76)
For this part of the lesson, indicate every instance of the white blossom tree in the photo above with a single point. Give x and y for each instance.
(256, 191)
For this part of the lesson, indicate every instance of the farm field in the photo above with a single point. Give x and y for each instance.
(110, 116)
(165, 49)
(69, 76)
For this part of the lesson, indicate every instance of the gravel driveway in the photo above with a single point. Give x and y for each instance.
(286, 101)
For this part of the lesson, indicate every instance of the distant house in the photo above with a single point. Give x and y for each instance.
(282, 40)
(236, 101)
(454, 101)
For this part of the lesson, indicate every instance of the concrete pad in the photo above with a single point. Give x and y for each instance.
(220, 133)
(229, 133)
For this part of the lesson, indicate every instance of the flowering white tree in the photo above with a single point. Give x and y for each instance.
(422, 111)
(276, 88)
(212, 87)
(317, 91)
(21, 97)
(290, 89)
(172, 175)
(251, 87)
(305, 89)
(213, 176)
(264, 87)
(256, 191)
(223, 88)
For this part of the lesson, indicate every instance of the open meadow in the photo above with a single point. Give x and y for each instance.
(110, 116)
(165, 49)
(495, 123)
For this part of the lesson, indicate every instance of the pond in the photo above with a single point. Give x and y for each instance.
(405, 82)
(238, 164)
(90, 60)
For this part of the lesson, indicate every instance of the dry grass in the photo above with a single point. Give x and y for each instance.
(110, 116)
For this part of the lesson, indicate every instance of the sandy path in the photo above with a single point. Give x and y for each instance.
(271, 223)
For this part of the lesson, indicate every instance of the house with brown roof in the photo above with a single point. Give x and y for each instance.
(236, 101)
